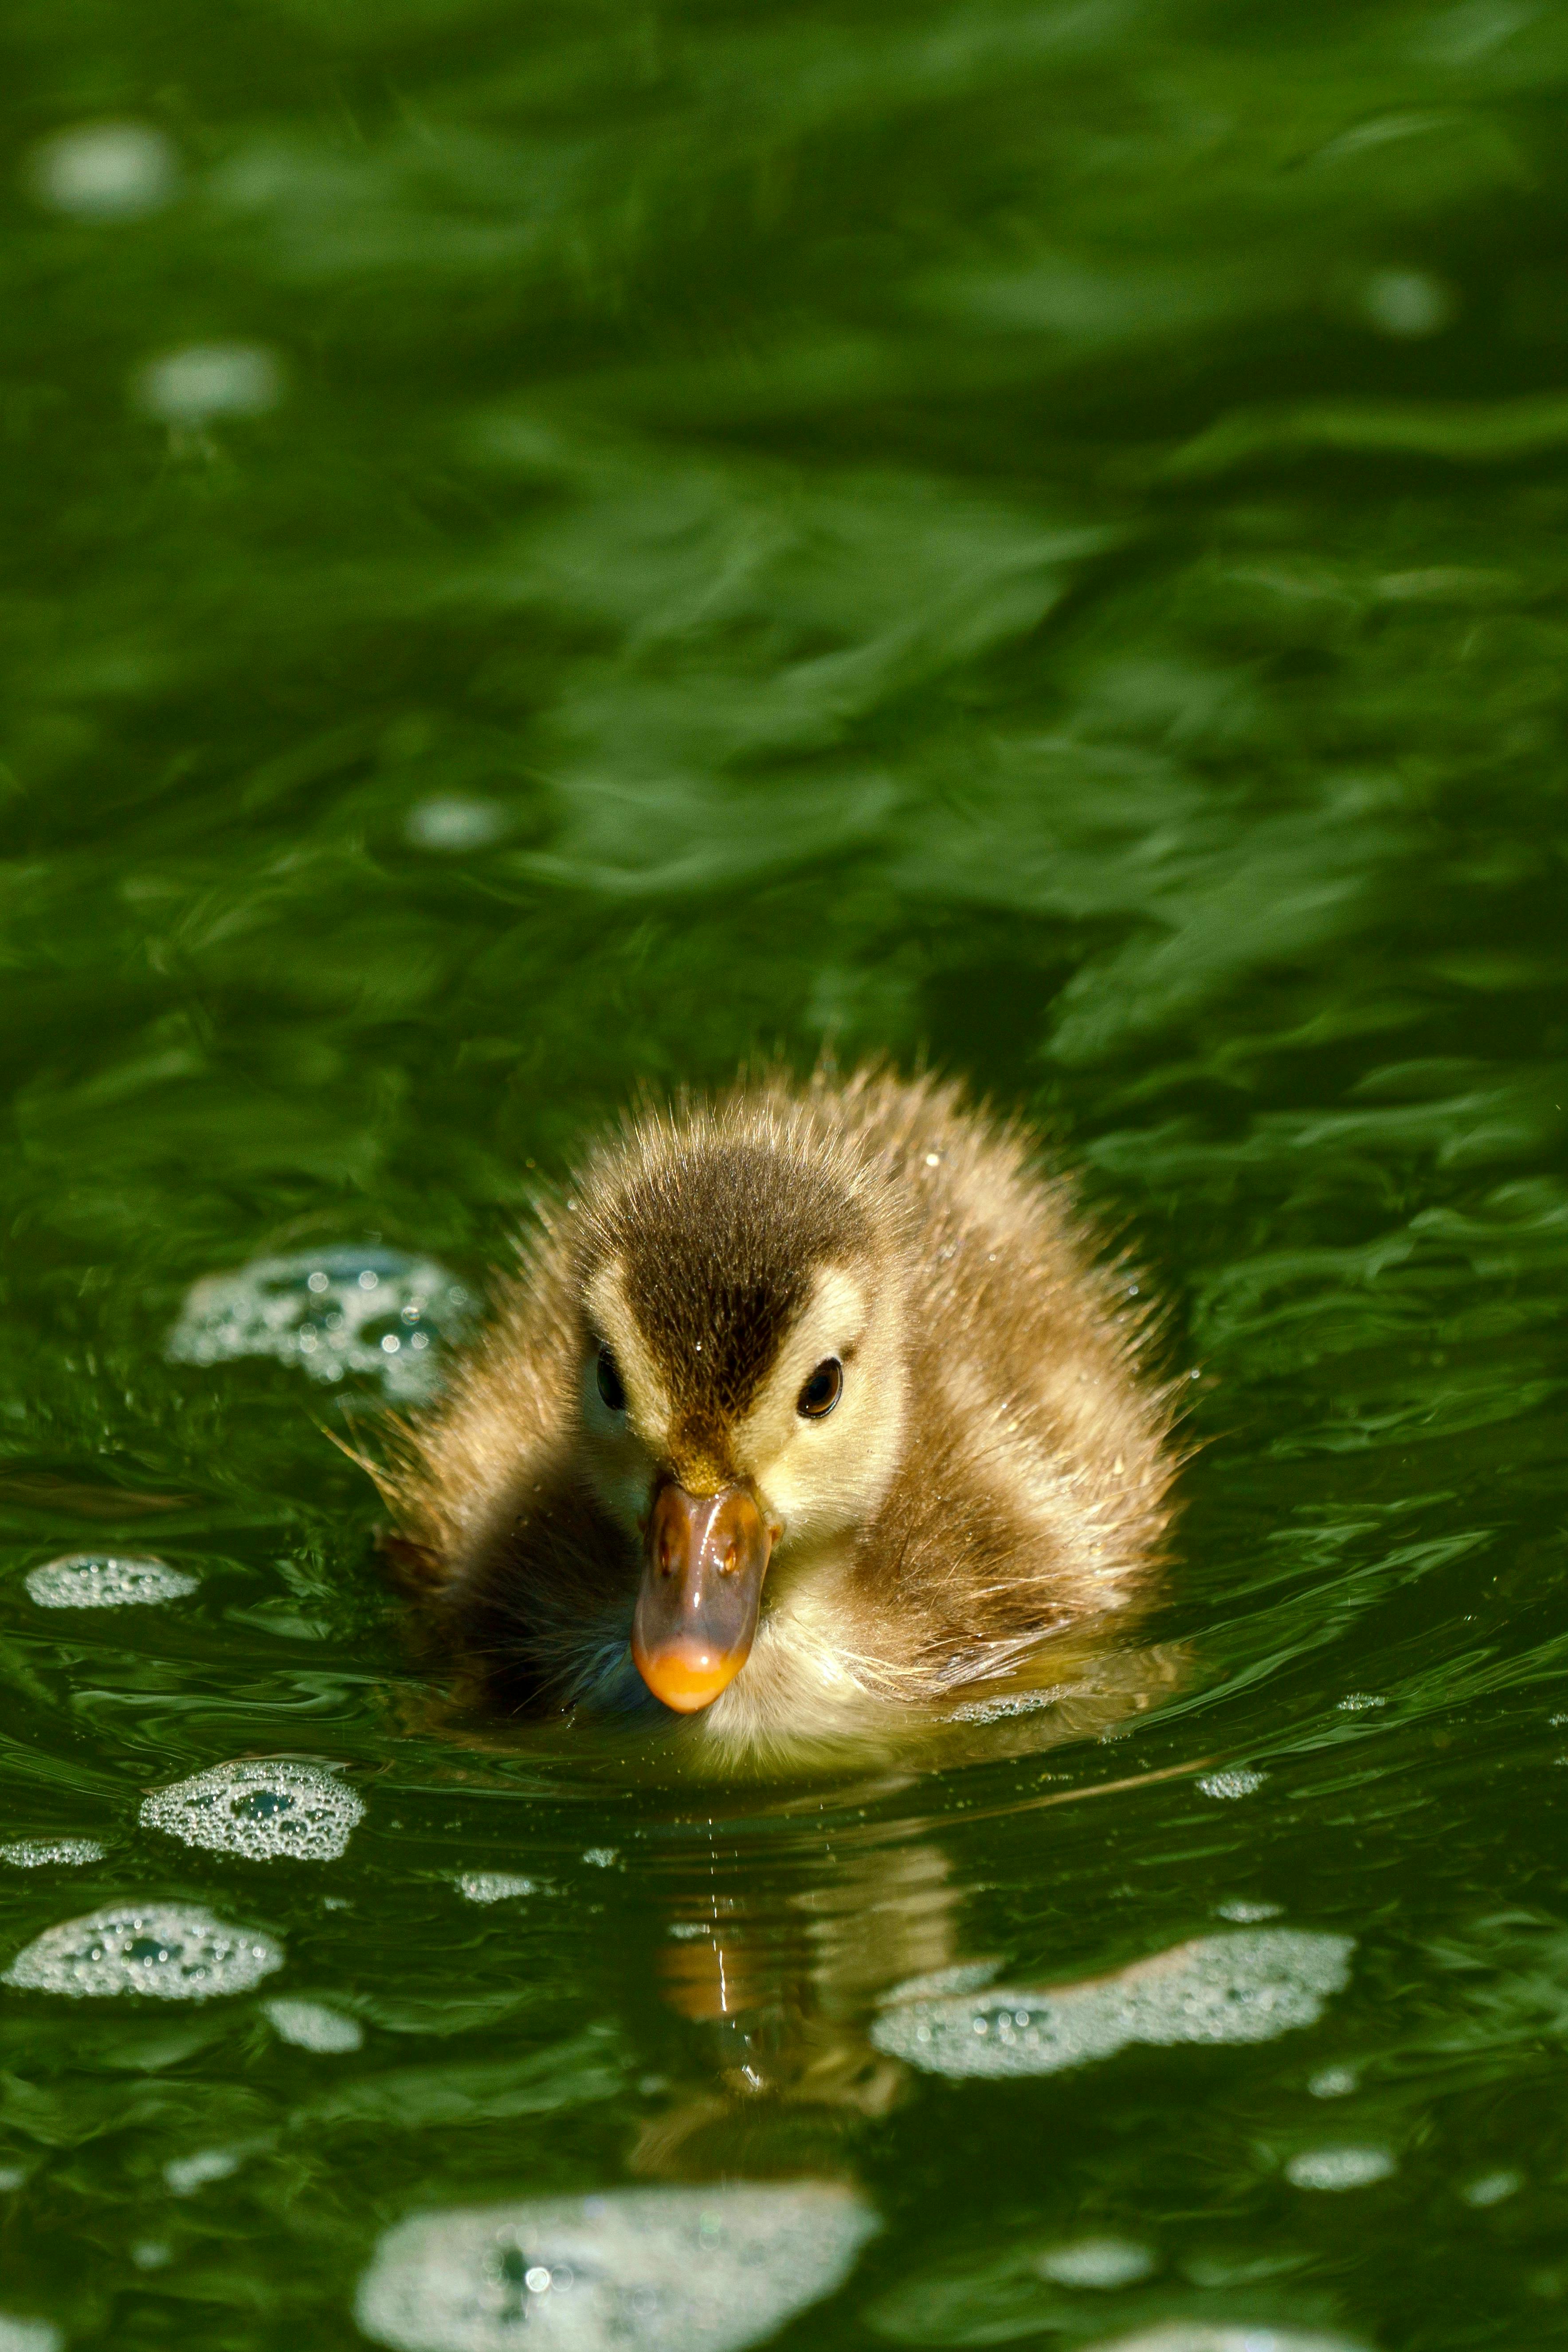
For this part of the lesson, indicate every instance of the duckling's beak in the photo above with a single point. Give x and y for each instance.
(705, 1558)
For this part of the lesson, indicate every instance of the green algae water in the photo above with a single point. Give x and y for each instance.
(548, 550)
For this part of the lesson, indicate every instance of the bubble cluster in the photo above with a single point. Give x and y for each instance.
(1097, 2262)
(185, 2174)
(85, 1580)
(174, 1951)
(998, 1710)
(259, 1809)
(1339, 2168)
(104, 172)
(1492, 2188)
(643, 2270)
(193, 387)
(312, 2025)
(1243, 1987)
(1239, 1782)
(492, 1885)
(332, 1312)
(1246, 1914)
(38, 1854)
(28, 2334)
(450, 823)
(1208, 2336)
(1407, 303)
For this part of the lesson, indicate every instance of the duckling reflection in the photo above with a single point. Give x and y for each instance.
(779, 2069)
(815, 1415)
(780, 1993)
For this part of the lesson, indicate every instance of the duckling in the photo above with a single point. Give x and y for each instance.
(813, 1406)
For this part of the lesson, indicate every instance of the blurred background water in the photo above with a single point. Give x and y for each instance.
(547, 549)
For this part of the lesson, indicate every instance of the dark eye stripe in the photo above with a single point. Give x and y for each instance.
(610, 1385)
(822, 1391)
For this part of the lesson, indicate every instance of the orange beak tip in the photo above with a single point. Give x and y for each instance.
(685, 1682)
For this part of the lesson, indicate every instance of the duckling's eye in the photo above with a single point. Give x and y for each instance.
(610, 1387)
(822, 1391)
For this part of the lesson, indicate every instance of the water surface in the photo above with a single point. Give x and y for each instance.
(546, 551)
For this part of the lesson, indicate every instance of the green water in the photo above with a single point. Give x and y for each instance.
(1036, 534)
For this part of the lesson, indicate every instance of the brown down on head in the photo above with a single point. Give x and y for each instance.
(810, 1404)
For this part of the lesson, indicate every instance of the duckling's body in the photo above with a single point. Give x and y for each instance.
(810, 1406)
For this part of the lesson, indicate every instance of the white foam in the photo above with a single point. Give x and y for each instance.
(192, 386)
(28, 2334)
(603, 1857)
(1243, 1987)
(1407, 303)
(85, 1580)
(1339, 2168)
(261, 1809)
(185, 2174)
(38, 1854)
(312, 2025)
(641, 2270)
(1333, 2082)
(998, 1710)
(332, 1312)
(1206, 2336)
(1492, 2188)
(1358, 1702)
(1248, 1914)
(1239, 1782)
(1097, 2262)
(492, 1885)
(104, 171)
(174, 1951)
(451, 822)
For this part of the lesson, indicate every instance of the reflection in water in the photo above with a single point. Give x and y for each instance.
(1027, 528)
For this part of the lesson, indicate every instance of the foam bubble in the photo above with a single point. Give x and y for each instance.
(1248, 1914)
(38, 1854)
(192, 386)
(28, 2334)
(1205, 2335)
(1339, 2168)
(330, 1312)
(1358, 1701)
(1239, 1782)
(1096, 2261)
(312, 2025)
(1243, 1987)
(603, 1857)
(85, 1580)
(1407, 303)
(1333, 2082)
(1492, 2188)
(261, 1809)
(452, 822)
(642, 2270)
(174, 1951)
(104, 171)
(185, 2174)
(998, 1710)
(492, 1885)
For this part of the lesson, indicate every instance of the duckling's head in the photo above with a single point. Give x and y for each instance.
(741, 1391)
